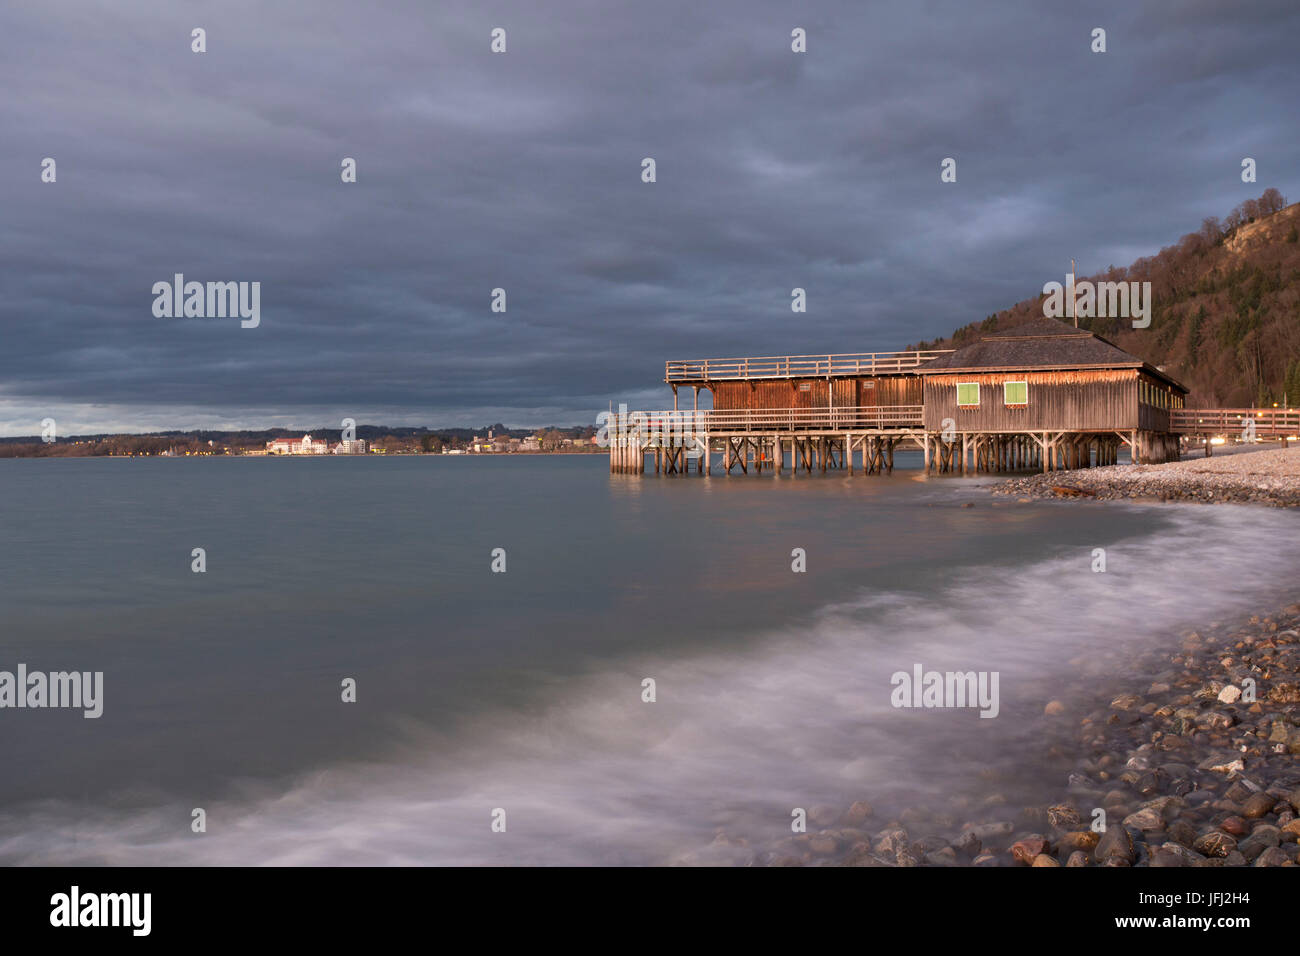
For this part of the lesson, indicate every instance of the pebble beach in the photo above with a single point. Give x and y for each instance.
(1198, 767)
(1186, 754)
(1269, 477)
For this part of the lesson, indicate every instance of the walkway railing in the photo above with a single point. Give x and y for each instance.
(797, 366)
(715, 421)
(1206, 421)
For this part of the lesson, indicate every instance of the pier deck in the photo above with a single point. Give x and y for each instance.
(821, 439)
(700, 371)
(1273, 422)
(1206, 424)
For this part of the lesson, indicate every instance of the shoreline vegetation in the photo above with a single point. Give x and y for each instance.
(1189, 761)
(1268, 477)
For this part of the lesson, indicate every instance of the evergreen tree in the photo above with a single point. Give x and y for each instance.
(1291, 384)
(1194, 336)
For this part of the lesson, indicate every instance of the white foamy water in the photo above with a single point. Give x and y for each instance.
(799, 718)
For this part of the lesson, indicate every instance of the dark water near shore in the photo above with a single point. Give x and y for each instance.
(523, 690)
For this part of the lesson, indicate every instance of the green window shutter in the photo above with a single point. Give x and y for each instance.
(1016, 393)
(968, 393)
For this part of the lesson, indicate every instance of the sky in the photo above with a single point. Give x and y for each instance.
(522, 171)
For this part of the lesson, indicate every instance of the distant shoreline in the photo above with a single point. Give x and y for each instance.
(404, 454)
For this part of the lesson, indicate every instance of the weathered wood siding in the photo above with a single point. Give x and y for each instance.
(845, 391)
(1065, 401)
(1152, 418)
(1155, 399)
(772, 393)
(889, 390)
(848, 392)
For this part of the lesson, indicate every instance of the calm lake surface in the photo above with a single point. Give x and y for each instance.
(522, 690)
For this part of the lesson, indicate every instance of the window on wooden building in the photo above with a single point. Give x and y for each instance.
(968, 393)
(1015, 393)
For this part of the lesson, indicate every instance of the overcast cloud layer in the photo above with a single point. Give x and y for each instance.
(522, 171)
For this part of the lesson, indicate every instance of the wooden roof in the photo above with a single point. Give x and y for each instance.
(1044, 344)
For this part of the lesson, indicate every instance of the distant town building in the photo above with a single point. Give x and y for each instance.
(284, 446)
(306, 445)
(355, 446)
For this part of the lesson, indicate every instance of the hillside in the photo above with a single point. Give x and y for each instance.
(1225, 317)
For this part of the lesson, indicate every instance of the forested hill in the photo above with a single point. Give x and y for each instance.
(1225, 317)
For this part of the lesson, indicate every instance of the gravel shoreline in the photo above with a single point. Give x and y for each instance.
(1182, 770)
(1260, 477)
(1194, 763)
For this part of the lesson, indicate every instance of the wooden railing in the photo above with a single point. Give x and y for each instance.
(797, 366)
(689, 422)
(1222, 421)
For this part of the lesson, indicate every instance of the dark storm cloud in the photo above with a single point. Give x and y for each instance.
(522, 171)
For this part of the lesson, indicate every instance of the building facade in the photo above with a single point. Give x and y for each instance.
(1045, 377)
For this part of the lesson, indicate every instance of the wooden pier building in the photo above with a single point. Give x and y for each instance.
(1041, 395)
(1062, 395)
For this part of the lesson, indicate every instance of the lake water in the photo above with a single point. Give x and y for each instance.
(523, 690)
